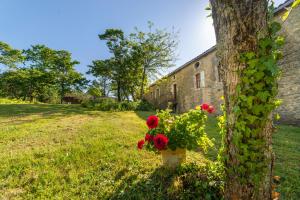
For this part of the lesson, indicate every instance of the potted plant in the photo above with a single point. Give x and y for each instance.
(171, 135)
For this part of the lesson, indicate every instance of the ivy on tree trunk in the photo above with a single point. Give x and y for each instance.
(248, 158)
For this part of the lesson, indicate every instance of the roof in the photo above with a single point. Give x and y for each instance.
(283, 6)
(277, 10)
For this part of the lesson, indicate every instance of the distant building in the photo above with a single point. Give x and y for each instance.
(198, 80)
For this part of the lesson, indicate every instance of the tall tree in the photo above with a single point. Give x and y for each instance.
(9, 56)
(95, 89)
(102, 69)
(38, 60)
(247, 52)
(120, 65)
(66, 76)
(154, 51)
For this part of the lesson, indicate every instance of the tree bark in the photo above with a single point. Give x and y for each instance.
(238, 26)
(62, 92)
(119, 91)
(143, 80)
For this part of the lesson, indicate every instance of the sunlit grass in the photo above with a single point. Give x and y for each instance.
(68, 152)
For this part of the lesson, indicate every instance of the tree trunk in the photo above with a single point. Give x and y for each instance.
(238, 26)
(119, 91)
(62, 92)
(143, 80)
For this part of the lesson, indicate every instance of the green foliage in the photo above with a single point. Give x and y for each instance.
(254, 102)
(184, 131)
(144, 105)
(199, 182)
(109, 104)
(154, 51)
(12, 101)
(9, 56)
(45, 74)
(136, 59)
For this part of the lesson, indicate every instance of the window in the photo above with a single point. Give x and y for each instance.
(174, 91)
(152, 95)
(157, 93)
(197, 64)
(197, 80)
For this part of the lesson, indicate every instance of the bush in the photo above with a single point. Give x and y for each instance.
(144, 106)
(110, 104)
(13, 101)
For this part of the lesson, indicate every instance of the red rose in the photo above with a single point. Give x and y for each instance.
(149, 137)
(140, 144)
(152, 121)
(160, 141)
(211, 109)
(204, 106)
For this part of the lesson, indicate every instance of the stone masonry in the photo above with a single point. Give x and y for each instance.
(198, 81)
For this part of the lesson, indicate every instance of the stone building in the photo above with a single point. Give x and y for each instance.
(198, 81)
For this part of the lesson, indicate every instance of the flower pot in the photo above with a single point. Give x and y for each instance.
(172, 158)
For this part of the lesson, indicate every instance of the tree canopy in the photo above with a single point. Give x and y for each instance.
(136, 60)
(38, 73)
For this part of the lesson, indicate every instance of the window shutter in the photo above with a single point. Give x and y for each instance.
(202, 79)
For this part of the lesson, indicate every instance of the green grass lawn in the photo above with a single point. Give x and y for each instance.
(68, 152)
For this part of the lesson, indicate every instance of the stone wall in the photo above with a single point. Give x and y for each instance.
(289, 84)
(188, 96)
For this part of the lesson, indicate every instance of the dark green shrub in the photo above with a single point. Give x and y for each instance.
(110, 104)
(127, 105)
(144, 106)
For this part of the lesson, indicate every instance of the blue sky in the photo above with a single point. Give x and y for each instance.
(74, 25)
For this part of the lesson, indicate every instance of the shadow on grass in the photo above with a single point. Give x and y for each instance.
(7, 110)
(188, 181)
(144, 114)
(155, 186)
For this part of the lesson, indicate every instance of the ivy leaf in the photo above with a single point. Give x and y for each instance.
(259, 86)
(277, 55)
(250, 118)
(253, 62)
(277, 116)
(250, 55)
(263, 96)
(271, 66)
(257, 109)
(275, 27)
(236, 109)
(278, 102)
(264, 43)
(279, 40)
(250, 101)
(259, 75)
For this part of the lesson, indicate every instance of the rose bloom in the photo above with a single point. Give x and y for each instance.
(211, 109)
(149, 137)
(204, 106)
(140, 144)
(160, 141)
(152, 121)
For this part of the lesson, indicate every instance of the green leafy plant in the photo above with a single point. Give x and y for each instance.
(199, 182)
(185, 131)
(254, 103)
(110, 104)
